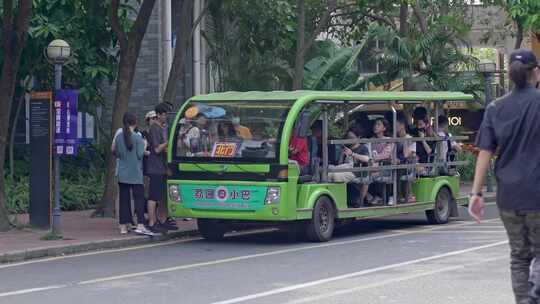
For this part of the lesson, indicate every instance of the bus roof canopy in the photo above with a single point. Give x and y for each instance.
(360, 96)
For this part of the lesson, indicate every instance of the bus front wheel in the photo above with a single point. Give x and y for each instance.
(321, 226)
(212, 230)
(441, 213)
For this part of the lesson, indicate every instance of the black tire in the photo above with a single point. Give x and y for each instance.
(212, 230)
(321, 226)
(441, 213)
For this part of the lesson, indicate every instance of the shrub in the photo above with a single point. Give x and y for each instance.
(82, 180)
(467, 171)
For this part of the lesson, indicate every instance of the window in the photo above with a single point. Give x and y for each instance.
(246, 131)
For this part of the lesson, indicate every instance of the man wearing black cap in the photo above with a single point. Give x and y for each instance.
(511, 129)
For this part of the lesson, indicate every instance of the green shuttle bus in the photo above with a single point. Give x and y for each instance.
(229, 159)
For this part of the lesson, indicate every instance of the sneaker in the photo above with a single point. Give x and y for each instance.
(170, 221)
(123, 230)
(144, 231)
(187, 219)
(166, 226)
(391, 201)
(157, 229)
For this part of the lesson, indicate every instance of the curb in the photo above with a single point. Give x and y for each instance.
(43, 252)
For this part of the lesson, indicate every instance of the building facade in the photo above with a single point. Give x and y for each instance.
(155, 59)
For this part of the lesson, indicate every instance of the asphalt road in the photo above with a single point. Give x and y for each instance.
(394, 260)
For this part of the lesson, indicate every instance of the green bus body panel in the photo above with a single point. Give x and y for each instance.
(426, 189)
(309, 193)
(285, 209)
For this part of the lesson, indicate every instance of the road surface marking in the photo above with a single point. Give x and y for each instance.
(31, 290)
(165, 243)
(463, 232)
(354, 274)
(228, 260)
(258, 255)
(390, 281)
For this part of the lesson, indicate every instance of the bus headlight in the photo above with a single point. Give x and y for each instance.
(272, 195)
(174, 193)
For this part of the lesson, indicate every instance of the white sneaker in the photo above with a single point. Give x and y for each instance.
(391, 201)
(144, 231)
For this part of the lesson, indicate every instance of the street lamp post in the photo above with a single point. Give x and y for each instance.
(57, 53)
(487, 68)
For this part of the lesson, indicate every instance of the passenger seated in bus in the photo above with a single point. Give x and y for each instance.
(406, 151)
(382, 155)
(298, 152)
(197, 138)
(381, 151)
(181, 146)
(241, 131)
(226, 132)
(447, 145)
(316, 139)
(359, 154)
(424, 149)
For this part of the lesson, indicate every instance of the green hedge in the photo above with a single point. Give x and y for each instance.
(79, 193)
(82, 181)
(467, 172)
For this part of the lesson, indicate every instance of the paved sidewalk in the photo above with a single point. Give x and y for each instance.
(81, 233)
(84, 233)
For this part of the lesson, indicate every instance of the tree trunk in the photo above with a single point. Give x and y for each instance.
(300, 45)
(303, 45)
(126, 74)
(183, 42)
(519, 35)
(14, 40)
(12, 136)
(403, 32)
(130, 46)
(183, 39)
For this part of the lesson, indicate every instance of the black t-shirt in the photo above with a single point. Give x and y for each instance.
(361, 150)
(155, 163)
(511, 127)
(421, 153)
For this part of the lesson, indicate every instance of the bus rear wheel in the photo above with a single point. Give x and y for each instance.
(441, 213)
(321, 226)
(212, 230)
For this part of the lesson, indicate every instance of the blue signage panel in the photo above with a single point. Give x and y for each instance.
(65, 122)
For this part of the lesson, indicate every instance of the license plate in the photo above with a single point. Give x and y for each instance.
(223, 197)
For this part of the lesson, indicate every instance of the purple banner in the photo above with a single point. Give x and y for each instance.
(65, 118)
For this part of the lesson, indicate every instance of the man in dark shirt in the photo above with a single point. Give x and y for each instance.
(157, 170)
(511, 128)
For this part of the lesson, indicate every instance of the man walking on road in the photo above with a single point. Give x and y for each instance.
(511, 128)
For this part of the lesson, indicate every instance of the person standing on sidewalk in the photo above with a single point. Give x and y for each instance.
(157, 170)
(129, 149)
(511, 128)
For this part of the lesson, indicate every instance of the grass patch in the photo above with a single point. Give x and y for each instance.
(51, 237)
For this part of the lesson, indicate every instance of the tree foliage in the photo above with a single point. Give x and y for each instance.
(525, 15)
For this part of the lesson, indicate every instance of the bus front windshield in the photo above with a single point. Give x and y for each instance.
(245, 131)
